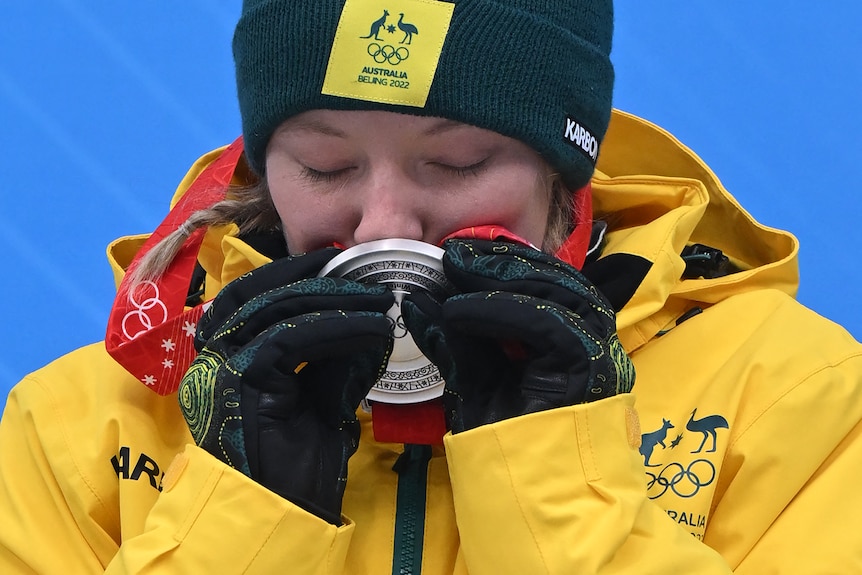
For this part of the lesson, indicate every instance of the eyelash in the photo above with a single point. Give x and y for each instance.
(313, 175)
(465, 171)
(318, 176)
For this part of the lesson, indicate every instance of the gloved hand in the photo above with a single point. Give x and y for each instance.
(284, 360)
(526, 333)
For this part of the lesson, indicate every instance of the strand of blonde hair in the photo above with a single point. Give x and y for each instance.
(249, 207)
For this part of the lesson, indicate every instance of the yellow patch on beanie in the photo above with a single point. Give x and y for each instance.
(386, 51)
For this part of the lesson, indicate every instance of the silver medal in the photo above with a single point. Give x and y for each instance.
(404, 266)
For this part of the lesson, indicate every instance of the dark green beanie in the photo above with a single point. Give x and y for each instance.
(536, 70)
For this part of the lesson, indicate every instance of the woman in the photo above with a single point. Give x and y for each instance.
(237, 443)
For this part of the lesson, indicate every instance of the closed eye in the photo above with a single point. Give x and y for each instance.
(313, 175)
(463, 171)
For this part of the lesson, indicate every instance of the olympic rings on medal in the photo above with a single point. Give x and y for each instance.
(143, 310)
(683, 481)
(388, 53)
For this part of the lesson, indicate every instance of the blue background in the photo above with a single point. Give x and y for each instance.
(103, 106)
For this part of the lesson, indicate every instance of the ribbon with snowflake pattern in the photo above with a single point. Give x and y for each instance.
(150, 329)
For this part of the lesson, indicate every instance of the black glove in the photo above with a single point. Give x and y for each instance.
(284, 360)
(526, 333)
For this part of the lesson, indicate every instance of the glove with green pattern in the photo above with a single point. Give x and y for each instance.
(526, 332)
(284, 360)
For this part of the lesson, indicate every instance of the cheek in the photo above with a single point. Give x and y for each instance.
(519, 204)
(309, 221)
(534, 216)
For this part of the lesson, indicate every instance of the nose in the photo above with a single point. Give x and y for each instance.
(390, 206)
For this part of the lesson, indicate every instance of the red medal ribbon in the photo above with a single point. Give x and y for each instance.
(418, 423)
(150, 332)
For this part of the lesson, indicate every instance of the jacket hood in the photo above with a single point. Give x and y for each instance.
(656, 197)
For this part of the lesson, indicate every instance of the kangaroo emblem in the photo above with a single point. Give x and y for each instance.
(377, 25)
(707, 426)
(649, 441)
(408, 29)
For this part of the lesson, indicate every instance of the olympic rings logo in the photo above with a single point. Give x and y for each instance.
(146, 311)
(397, 327)
(387, 53)
(685, 482)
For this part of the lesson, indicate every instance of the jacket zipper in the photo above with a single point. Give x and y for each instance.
(412, 469)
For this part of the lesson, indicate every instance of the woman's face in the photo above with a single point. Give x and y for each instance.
(350, 177)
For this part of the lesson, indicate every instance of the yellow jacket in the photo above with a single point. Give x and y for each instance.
(738, 451)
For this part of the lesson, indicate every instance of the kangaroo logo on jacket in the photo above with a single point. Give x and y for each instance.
(390, 57)
(684, 479)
